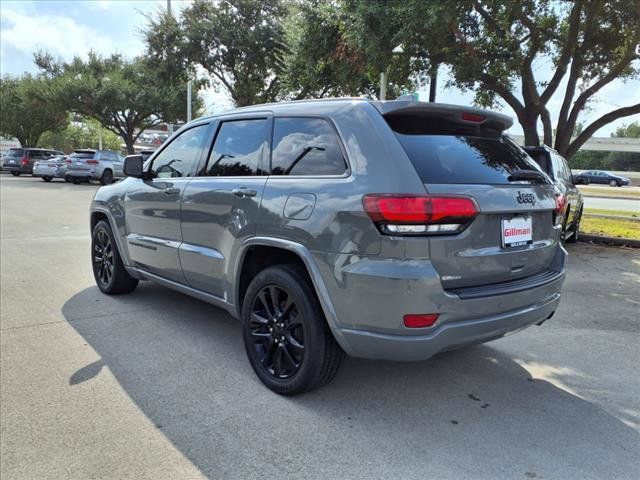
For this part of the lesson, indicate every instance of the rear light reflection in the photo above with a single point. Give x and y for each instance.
(422, 320)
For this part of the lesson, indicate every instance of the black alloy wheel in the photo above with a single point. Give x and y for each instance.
(286, 336)
(103, 258)
(277, 332)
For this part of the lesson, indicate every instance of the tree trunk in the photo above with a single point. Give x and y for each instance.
(530, 127)
(128, 140)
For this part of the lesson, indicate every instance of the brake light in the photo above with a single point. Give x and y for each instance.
(560, 210)
(420, 214)
(473, 117)
(420, 320)
(24, 161)
(92, 161)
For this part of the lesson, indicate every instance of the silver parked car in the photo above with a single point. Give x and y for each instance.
(387, 230)
(54, 167)
(102, 165)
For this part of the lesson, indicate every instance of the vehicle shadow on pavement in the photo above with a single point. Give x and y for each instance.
(475, 413)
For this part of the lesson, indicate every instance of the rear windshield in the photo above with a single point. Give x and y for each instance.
(458, 158)
(82, 155)
(15, 152)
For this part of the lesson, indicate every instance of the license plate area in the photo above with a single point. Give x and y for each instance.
(516, 231)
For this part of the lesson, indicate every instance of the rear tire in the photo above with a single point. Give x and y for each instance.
(47, 179)
(286, 336)
(106, 178)
(108, 270)
(576, 228)
(15, 174)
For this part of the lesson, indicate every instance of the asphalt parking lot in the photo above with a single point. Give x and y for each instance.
(156, 385)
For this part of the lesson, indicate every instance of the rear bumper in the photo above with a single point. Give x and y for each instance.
(448, 336)
(370, 297)
(18, 168)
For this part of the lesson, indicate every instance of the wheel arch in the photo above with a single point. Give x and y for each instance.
(98, 214)
(273, 251)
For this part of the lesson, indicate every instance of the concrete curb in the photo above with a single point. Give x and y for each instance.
(613, 241)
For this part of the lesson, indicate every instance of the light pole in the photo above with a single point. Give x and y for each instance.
(188, 101)
(384, 76)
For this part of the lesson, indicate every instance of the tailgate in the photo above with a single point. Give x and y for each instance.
(508, 239)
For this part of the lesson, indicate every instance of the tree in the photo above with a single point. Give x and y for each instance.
(376, 28)
(84, 134)
(497, 47)
(628, 131)
(240, 43)
(125, 97)
(30, 106)
(320, 61)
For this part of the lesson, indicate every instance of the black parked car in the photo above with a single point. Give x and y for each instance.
(557, 168)
(600, 176)
(21, 160)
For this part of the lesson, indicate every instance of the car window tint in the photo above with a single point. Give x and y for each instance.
(306, 146)
(238, 148)
(181, 155)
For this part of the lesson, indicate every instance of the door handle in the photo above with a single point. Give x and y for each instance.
(171, 191)
(244, 192)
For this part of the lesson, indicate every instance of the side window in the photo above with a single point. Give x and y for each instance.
(180, 156)
(238, 149)
(109, 156)
(306, 146)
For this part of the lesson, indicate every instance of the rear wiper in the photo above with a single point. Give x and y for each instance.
(531, 175)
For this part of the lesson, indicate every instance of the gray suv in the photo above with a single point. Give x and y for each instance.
(101, 165)
(387, 230)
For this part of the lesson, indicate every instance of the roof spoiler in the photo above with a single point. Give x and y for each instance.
(456, 113)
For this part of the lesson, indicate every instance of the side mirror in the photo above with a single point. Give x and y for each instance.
(133, 166)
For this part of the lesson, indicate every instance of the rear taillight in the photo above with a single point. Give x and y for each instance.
(24, 161)
(559, 211)
(92, 162)
(420, 214)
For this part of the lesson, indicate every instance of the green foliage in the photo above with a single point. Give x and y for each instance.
(628, 131)
(30, 106)
(83, 134)
(240, 44)
(592, 160)
(320, 61)
(125, 97)
(494, 48)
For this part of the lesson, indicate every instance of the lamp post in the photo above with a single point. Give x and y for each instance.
(384, 76)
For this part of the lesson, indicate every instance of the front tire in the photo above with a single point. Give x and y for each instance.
(106, 178)
(286, 336)
(15, 174)
(47, 179)
(613, 183)
(108, 270)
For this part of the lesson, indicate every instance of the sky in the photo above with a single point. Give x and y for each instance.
(68, 28)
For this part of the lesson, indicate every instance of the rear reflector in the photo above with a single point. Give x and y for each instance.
(420, 320)
(419, 214)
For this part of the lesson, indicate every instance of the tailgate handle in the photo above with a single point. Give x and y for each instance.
(244, 192)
